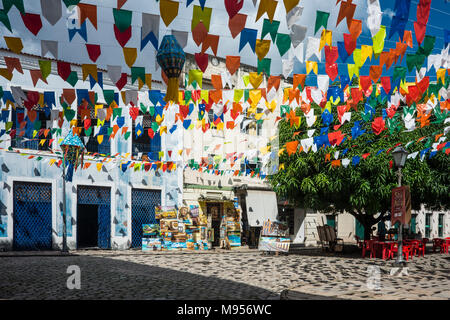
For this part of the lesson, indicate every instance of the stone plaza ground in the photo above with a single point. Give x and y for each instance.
(236, 274)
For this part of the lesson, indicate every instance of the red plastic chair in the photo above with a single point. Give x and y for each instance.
(368, 247)
(387, 250)
(439, 243)
(406, 251)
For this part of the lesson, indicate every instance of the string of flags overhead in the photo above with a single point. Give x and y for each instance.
(421, 102)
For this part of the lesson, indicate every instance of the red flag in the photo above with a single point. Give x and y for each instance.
(122, 37)
(233, 7)
(32, 22)
(331, 54)
(64, 69)
(332, 70)
(202, 60)
(350, 43)
(94, 51)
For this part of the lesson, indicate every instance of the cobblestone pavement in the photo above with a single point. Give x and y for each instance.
(231, 275)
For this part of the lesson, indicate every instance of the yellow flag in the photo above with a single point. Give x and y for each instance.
(89, 69)
(238, 94)
(159, 119)
(256, 79)
(99, 166)
(282, 166)
(14, 44)
(378, 41)
(366, 52)
(440, 75)
(311, 65)
(204, 94)
(326, 38)
(196, 75)
(259, 115)
(162, 129)
(255, 96)
(353, 70)
(220, 126)
(130, 55)
(51, 162)
(262, 48)
(100, 138)
(357, 57)
(168, 10)
(98, 106)
(271, 106)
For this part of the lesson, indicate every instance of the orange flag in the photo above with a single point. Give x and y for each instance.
(291, 147)
(375, 73)
(299, 79)
(355, 28)
(210, 41)
(88, 11)
(407, 38)
(273, 82)
(233, 63)
(216, 81)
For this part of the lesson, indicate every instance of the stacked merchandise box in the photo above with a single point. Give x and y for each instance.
(151, 240)
(182, 229)
(274, 237)
(233, 227)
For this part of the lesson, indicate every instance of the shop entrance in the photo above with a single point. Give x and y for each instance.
(87, 226)
(216, 212)
(94, 217)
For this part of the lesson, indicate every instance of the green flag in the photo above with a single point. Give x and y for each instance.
(127, 135)
(143, 108)
(427, 45)
(46, 68)
(321, 20)
(7, 4)
(399, 72)
(264, 66)
(283, 43)
(117, 112)
(271, 28)
(73, 78)
(37, 125)
(5, 20)
(109, 96)
(122, 19)
(88, 131)
(137, 72)
(152, 111)
(187, 96)
(69, 114)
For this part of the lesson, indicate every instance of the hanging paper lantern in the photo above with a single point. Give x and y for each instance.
(72, 148)
(171, 58)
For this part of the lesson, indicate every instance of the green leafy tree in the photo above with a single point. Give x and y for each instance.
(363, 190)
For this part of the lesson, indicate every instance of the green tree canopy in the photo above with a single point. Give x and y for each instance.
(364, 190)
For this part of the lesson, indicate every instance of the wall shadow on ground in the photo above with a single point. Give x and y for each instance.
(103, 278)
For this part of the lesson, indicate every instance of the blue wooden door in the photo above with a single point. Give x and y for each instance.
(143, 204)
(100, 197)
(32, 216)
